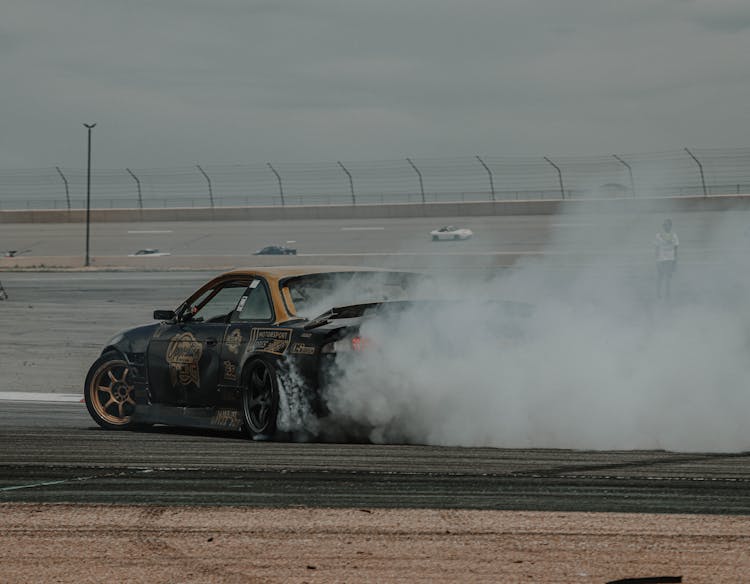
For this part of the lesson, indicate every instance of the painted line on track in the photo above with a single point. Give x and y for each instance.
(571, 224)
(45, 484)
(149, 231)
(363, 229)
(72, 480)
(38, 396)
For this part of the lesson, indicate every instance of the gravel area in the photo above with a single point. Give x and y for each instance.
(91, 543)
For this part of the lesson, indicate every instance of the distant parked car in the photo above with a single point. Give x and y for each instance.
(276, 250)
(148, 252)
(450, 232)
(11, 253)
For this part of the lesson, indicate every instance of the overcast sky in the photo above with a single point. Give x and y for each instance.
(175, 82)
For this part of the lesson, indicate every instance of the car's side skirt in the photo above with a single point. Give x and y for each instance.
(191, 417)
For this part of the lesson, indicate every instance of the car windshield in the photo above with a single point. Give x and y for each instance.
(314, 294)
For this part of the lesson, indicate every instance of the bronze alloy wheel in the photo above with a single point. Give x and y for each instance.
(260, 400)
(109, 394)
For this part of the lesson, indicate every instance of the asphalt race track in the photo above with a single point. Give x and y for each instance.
(53, 452)
(54, 324)
(398, 242)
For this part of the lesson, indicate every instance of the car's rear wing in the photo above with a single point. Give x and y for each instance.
(510, 308)
(351, 311)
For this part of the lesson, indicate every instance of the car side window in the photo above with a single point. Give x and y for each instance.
(218, 303)
(255, 305)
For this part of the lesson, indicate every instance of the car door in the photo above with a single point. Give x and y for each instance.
(183, 357)
(254, 310)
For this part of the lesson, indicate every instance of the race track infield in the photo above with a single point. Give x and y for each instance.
(89, 543)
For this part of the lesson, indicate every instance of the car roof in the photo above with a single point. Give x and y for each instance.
(281, 272)
(276, 273)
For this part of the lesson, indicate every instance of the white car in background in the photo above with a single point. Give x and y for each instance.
(450, 232)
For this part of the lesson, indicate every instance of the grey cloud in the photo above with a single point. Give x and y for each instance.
(732, 23)
(178, 81)
(729, 16)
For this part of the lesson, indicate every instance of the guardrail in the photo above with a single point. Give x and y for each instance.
(387, 211)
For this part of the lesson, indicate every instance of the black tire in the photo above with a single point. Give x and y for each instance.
(109, 393)
(434, 238)
(260, 400)
(456, 237)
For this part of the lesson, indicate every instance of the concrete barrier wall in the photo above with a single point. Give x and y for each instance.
(403, 210)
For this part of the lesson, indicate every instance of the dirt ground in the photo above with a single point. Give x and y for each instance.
(94, 543)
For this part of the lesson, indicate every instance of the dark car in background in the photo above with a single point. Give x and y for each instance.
(276, 250)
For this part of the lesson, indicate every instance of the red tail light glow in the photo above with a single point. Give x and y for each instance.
(360, 343)
(354, 344)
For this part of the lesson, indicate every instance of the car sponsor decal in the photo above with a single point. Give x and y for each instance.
(226, 418)
(234, 340)
(270, 340)
(241, 305)
(183, 354)
(230, 370)
(302, 349)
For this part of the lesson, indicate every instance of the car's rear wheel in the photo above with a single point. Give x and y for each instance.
(434, 238)
(109, 392)
(456, 237)
(260, 400)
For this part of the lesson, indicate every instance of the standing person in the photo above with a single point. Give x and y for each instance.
(666, 257)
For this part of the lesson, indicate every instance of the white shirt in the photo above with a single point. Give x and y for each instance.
(666, 246)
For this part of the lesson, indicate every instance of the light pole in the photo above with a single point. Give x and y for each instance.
(89, 127)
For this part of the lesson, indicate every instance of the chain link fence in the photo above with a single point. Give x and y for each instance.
(686, 172)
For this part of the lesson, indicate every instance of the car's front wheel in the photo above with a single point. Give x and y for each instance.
(260, 400)
(109, 392)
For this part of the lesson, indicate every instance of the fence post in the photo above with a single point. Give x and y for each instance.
(208, 180)
(67, 190)
(630, 171)
(351, 182)
(700, 166)
(559, 175)
(492, 183)
(419, 174)
(278, 178)
(138, 182)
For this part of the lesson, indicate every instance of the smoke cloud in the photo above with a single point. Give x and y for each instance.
(598, 363)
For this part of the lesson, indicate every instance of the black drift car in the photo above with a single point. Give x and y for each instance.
(218, 360)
